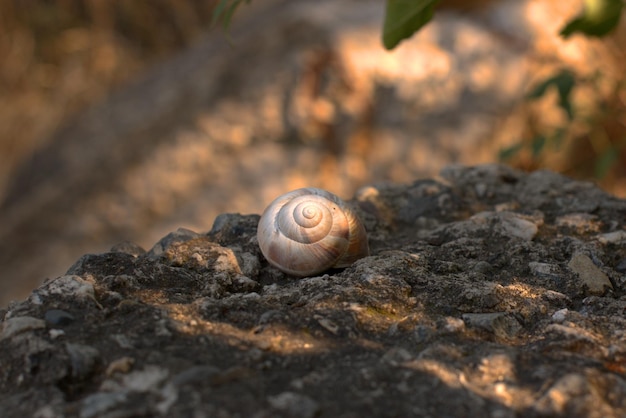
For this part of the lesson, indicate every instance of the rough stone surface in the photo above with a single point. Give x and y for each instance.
(470, 305)
(590, 275)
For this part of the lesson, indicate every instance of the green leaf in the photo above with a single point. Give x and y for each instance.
(405, 17)
(538, 143)
(599, 17)
(558, 137)
(507, 153)
(605, 161)
(224, 12)
(564, 82)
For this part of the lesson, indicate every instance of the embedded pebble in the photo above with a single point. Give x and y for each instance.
(161, 328)
(483, 267)
(560, 315)
(621, 266)
(56, 333)
(47, 411)
(97, 404)
(616, 237)
(294, 404)
(145, 380)
(69, 286)
(396, 356)
(544, 270)
(553, 296)
(18, 325)
(327, 324)
(581, 222)
(574, 394)
(225, 221)
(83, 359)
(120, 365)
(250, 264)
(58, 317)
(481, 189)
(176, 237)
(554, 401)
(195, 375)
(508, 223)
(595, 281)
(231, 227)
(123, 341)
(572, 332)
(128, 247)
(517, 226)
(226, 261)
(423, 333)
(452, 324)
(497, 367)
(501, 324)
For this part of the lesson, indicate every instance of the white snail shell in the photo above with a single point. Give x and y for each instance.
(307, 231)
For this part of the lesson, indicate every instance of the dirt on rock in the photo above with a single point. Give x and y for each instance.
(489, 292)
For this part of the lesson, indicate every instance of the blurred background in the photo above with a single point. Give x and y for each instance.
(126, 120)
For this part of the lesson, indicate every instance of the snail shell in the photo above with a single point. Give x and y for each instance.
(307, 231)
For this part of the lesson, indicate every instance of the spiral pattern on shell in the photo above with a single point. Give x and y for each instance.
(307, 231)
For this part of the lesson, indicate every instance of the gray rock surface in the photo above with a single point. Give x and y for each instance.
(474, 302)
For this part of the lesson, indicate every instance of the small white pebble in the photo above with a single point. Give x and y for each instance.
(197, 257)
(616, 237)
(560, 315)
(454, 324)
(56, 333)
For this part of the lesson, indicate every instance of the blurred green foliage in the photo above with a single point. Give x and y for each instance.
(224, 11)
(563, 82)
(599, 18)
(593, 134)
(599, 133)
(405, 17)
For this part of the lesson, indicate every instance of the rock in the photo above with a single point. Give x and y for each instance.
(616, 237)
(517, 226)
(466, 307)
(621, 266)
(196, 375)
(83, 360)
(98, 404)
(58, 317)
(545, 270)
(581, 394)
(580, 222)
(453, 324)
(18, 325)
(56, 333)
(560, 315)
(150, 378)
(396, 356)
(69, 286)
(591, 277)
(501, 324)
(179, 236)
(294, 404)
(120, 365)
(128, 247)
